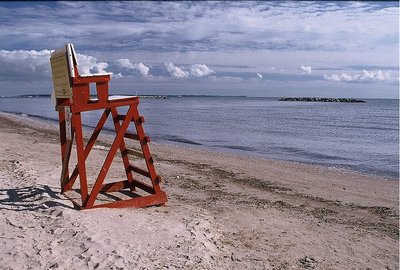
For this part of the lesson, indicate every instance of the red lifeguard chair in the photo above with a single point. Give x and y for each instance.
(72, 93)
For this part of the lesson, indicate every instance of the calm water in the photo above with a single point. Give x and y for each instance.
(359, 136)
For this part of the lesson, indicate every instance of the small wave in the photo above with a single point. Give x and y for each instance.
(314, 156)
(361, 127)
(41, 117)
(179, 139)
(49, 119)
(236, 147)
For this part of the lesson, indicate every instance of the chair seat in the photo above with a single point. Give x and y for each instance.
(96, 74)
(120, 97)
(115, 97)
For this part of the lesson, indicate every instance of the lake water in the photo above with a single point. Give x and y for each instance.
(363, 137)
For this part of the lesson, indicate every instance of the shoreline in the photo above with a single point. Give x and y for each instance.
(203, 154)
(235, 152)
(225, 211)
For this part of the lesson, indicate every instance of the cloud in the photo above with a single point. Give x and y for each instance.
(88, 64)
(25, 65)
(196, 70)
(117, 76)
(364, 76)
(203, 26)
(143, 69)
(260, 76)
(125, 63)
(176, 72)
(238, 36)
(200, 70)
(140, 67)
(35, 65)
(305, 69)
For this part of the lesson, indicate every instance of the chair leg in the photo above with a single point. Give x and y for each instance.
(65, 164)
(63, 142)
(81, 157)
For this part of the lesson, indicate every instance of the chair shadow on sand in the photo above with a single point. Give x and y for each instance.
(38, 197)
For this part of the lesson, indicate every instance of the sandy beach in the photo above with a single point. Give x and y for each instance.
(225, 211)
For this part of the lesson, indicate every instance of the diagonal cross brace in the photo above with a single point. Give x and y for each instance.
(110, 156)
(68, 185)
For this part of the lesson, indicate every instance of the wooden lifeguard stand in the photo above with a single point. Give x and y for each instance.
(72, 93)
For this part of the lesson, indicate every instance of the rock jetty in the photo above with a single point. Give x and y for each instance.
(321, 99)
(153, 97)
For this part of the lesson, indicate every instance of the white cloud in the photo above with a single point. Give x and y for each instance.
(88, 64)
(24, 65)
(260, 76)
(125, 63)
(35, 65)
(176, 72)
(142, 68)
(117, 76)
(196, 70)
(200, 70)
(306, 69)
(364, 76)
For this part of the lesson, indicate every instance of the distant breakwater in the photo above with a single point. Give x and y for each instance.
(321, 99)
(153, 97)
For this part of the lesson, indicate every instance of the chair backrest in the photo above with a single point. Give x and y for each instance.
(63, 67)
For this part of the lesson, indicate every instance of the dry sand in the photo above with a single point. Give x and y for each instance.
(224, 212)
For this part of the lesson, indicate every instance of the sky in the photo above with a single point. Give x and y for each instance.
(264, 49)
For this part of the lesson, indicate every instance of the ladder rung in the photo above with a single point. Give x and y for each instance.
(121, 117)
(135, 153)
(146, 139)
(136, 137)
(115, 186)
(131, 136)
(140, 120)
(143, 186)
(139, 171)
